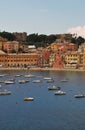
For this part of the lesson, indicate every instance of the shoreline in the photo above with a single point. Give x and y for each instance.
(41, 69)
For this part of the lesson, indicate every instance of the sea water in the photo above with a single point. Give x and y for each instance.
(47, 111)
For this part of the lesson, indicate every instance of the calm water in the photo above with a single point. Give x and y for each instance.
(47, 111)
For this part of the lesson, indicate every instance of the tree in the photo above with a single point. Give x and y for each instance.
(32, 38)
(78, 40)
(50, 39)
(7, 35)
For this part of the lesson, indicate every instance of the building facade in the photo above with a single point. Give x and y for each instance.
(18, 60)
(11, 46)
(72, 60)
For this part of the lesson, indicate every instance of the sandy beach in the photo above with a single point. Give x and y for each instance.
(40, 69)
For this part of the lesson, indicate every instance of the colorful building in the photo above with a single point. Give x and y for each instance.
(59, 62)
(52, 59)
(63, 47)
(18, 60)
(72, 59)
(11, 46)
(43, 58)
(2, 40)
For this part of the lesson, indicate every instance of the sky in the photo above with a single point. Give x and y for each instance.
(42, 16)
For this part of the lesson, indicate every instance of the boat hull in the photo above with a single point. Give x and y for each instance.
(29, 99)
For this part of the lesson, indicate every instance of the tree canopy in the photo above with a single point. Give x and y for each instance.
(43, 40)
(7, 35)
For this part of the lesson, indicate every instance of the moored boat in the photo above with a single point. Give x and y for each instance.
(47, 78)
(18, 75)
(64, 80)
(29, 76)
(54, 88)
(1, 81)
(60, 93)
(5, 92)
(36, 81)
(9, 82)
(79, 96)
(23, 81)
(0, 86)
(2, 75)
(28, 99)
(50, 81)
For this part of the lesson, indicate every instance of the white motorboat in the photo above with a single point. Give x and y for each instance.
(50, 81)
(5, 92)
(23, 81)
(36, 81)
(47, 78)
(2, 75)
(9, 82)
(29, 76)
(60, 93)
(11, 79)
(54, 88)
(18, 75)
(64, 80)
(28, 99)
(80, 96)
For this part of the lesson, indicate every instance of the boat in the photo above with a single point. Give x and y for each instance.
(47, 78)
(36, 81)
(5, 92)
(28, 99)
(79, 96)
(9, 82)
(1, 81)
(54, 88)
(23, 81)
(17, 75)
(2, 75)
(11, 79)
(0, 86)
(60, 93)
(29, 76)
(64, 80)
(50, 81)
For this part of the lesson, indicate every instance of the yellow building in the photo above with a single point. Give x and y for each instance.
(72, 59)
(54, 47)
(82, 59)
(52, 59)
(1, 43)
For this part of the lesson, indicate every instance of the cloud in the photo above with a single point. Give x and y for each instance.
(79, 31)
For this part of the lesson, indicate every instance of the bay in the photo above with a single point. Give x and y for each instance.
(47, 111)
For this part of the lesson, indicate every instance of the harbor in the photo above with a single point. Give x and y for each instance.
(33, 105)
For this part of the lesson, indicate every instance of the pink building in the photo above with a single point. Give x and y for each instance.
(58, 63)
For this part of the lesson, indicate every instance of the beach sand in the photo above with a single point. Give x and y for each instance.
(42, 69)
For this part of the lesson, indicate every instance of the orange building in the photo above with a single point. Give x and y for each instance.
(63, 47)
(18, 60)
(2, 40)
(71, 46)
(11, 46)
(3, 58)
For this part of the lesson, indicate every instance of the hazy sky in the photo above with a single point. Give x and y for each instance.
(41, 16)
